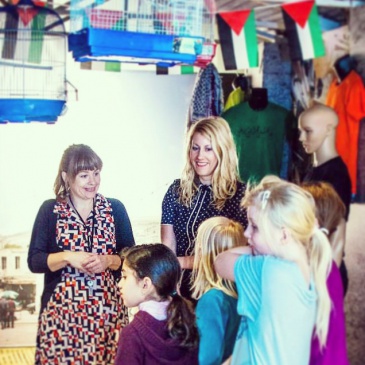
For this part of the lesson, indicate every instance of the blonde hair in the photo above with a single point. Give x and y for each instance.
(283, 204)
(225, 176)
(215, 235)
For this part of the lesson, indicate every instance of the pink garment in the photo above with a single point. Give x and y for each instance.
(156, 309)
(335, 351)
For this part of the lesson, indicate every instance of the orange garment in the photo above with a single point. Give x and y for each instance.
(348, 100)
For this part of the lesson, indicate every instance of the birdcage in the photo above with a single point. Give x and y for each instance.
(33, 46)
(165, 32)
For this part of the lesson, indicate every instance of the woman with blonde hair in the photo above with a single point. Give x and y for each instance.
(280, 277)
(209, 187)
(216, 312)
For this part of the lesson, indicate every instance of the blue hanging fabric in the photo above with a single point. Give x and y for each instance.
(207, 99)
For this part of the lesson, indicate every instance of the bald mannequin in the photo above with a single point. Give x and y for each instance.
(317, 126)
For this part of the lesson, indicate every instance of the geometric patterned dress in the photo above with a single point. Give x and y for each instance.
(81, 322)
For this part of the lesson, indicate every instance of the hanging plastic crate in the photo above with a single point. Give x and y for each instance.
(164, 32)
(33, 46)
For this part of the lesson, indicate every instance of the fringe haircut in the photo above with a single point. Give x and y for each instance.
(76, 158)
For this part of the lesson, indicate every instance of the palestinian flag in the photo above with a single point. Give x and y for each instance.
(23, 34)
(238, 40)
(303, 30)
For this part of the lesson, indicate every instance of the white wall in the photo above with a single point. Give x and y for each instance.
(135, 121)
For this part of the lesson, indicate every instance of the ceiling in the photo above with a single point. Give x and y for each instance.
(267, 12)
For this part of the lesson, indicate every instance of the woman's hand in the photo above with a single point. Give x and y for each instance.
(95, 264)
(98, 263)
(59, 260)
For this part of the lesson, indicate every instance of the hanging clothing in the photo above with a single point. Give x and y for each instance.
(207, 99)
(360, 190)
(348, 100)
(237, 96)
(259, 136)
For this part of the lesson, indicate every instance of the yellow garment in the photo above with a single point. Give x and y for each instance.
(237, 96)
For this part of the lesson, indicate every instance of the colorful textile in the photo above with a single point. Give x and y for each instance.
(348, 100)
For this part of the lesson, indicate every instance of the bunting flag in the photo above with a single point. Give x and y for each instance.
(177, 70)
(238, 40)
(303, 30)
(23, 36)
(121, 67)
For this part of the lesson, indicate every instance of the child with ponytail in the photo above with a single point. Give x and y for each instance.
(280, 277)
(163, 331)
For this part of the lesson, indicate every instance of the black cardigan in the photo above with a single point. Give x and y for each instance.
(43, 242)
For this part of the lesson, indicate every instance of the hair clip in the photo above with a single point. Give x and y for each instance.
(265, 197)
(325, 231)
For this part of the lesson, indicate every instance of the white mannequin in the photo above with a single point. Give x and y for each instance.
(317, 126)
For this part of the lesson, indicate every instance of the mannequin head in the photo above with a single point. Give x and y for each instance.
(317, 126)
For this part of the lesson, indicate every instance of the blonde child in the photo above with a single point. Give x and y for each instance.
(280, 277)
(163, 331)
(330, 211)
(216, 309)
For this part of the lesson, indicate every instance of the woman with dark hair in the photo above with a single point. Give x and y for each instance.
(209, 187)
(75, 243)
(163, 330)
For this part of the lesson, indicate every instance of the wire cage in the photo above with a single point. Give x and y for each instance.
(33, 46)
(143, 31)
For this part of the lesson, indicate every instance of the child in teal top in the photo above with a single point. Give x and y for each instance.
(216, 310)
(280, 278)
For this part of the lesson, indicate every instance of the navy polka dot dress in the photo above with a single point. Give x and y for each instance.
(186, 220)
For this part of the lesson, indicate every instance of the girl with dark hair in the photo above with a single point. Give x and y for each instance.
(163, 330)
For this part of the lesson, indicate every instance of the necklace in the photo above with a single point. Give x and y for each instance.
(90, 235)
